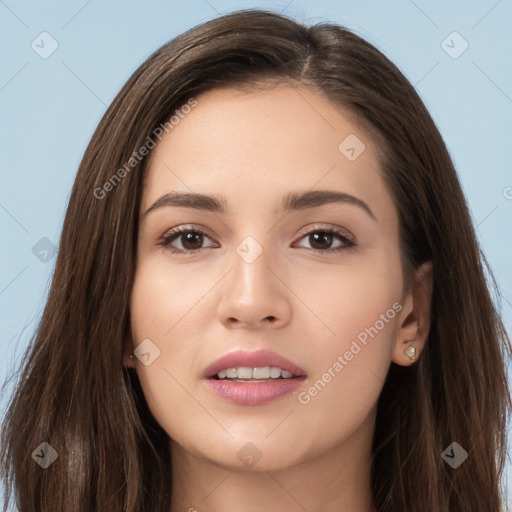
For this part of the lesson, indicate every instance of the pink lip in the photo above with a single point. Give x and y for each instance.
(252, 392)
(260, 358)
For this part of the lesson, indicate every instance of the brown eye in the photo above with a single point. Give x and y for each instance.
(321, 240)
(191, 240)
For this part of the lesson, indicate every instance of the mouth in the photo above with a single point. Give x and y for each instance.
(253, 378)
(256, 374)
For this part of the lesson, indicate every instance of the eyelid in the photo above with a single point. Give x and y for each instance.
(348, 242)
(304, 231)
(326, 227)
(185, 228)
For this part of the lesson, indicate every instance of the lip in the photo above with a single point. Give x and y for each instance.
(259, 358)
(252, 392)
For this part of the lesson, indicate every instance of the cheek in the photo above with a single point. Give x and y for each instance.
(360, 310)
(162, 311)
(354, 297)
(164, 301)
(350, 365)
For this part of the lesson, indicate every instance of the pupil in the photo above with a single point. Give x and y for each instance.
(321, 234)
(189, 239)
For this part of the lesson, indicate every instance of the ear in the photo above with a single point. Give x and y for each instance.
(414, 320)
(128, 361)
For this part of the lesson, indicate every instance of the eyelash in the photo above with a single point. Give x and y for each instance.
(174, 234)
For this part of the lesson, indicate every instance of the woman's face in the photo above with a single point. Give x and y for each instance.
(256, 279)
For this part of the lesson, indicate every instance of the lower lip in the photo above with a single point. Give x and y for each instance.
(252, 392)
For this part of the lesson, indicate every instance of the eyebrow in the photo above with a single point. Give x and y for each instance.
(291, 202)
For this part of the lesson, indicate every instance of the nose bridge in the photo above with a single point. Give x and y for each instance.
(253, 293)
(252, 277)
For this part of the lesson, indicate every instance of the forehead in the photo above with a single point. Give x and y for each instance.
(264, 144)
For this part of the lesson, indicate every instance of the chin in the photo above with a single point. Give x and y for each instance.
(250, 454)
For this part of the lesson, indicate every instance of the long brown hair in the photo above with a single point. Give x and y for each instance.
(74, 391)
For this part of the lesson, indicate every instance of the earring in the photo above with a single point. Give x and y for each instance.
(131, 356)
(411, 352)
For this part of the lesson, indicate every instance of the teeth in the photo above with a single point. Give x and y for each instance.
(259, 373)
(245, 372)
(231, 373)
(275, 373)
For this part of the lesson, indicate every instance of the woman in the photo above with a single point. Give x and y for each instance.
(195, 354)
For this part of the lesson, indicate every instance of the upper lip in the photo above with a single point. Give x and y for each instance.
(255, 359)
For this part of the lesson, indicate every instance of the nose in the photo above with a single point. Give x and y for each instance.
(254, 295)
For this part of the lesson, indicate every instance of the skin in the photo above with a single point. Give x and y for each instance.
(252, 149)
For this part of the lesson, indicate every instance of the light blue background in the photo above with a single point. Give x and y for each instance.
(50, 107)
